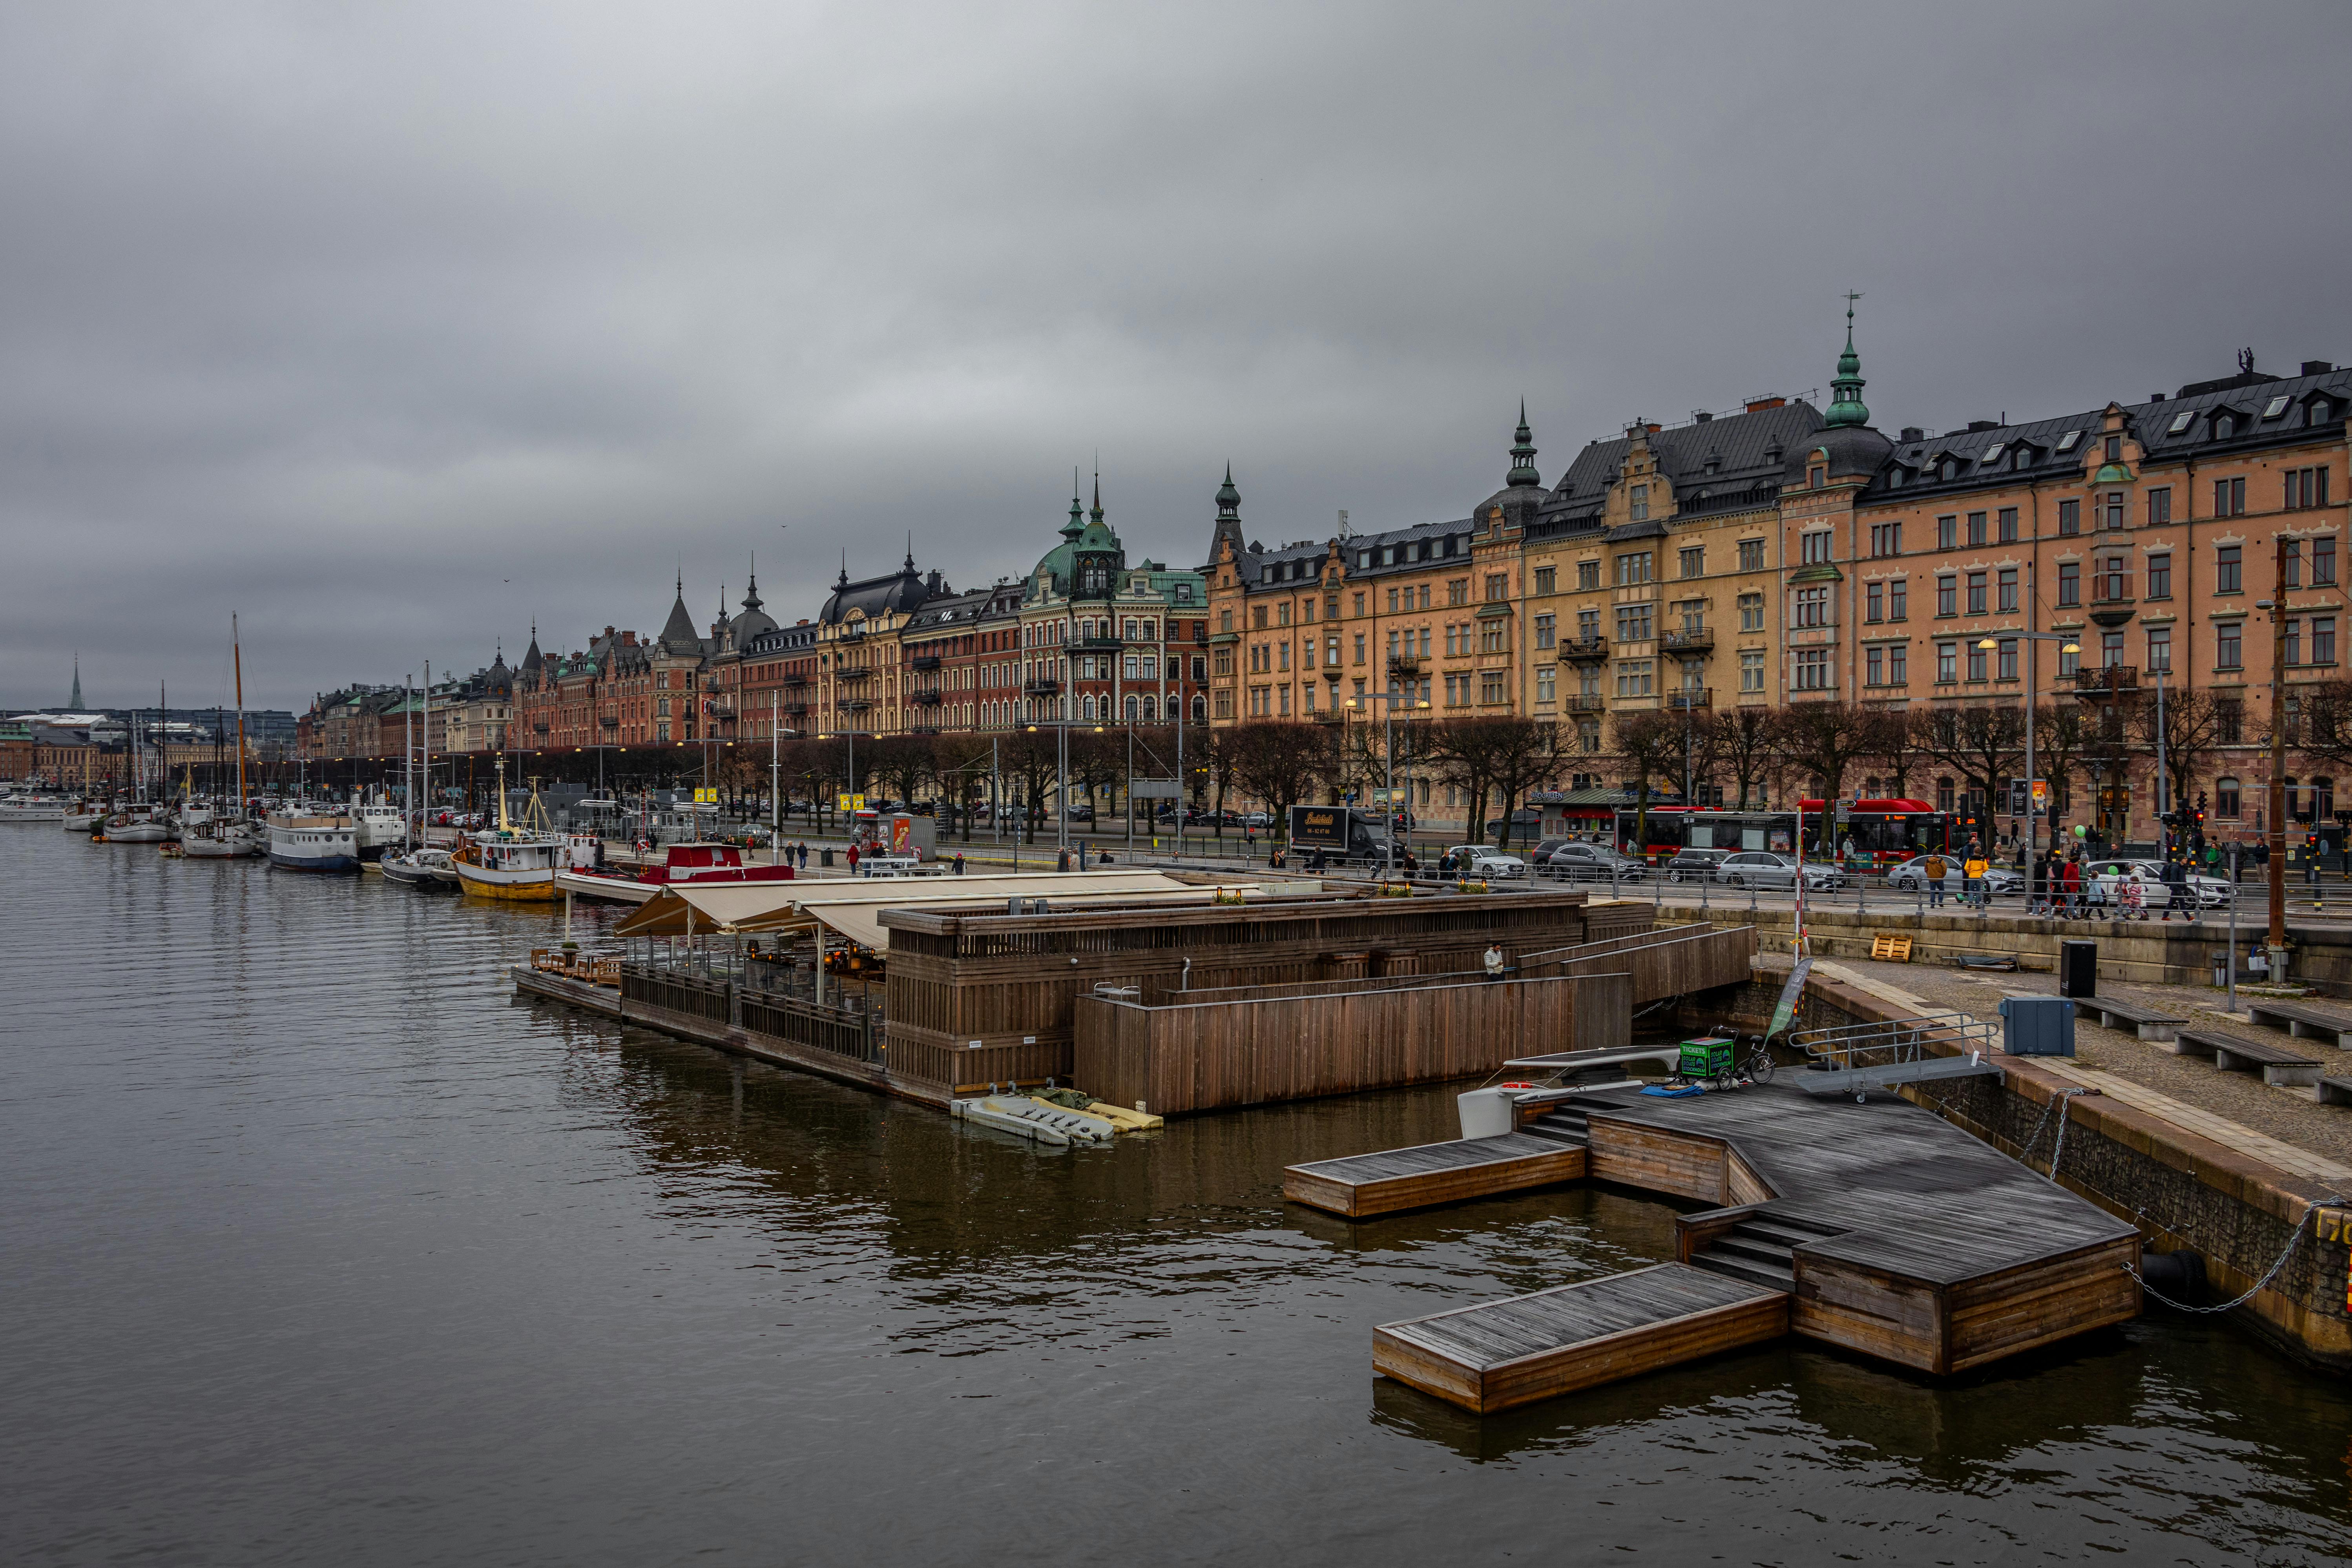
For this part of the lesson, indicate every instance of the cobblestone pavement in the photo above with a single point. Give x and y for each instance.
(2291, 1115)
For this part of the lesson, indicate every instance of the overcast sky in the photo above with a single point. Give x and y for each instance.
(394, 327)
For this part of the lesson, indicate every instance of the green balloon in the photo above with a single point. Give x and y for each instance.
(2080, 832)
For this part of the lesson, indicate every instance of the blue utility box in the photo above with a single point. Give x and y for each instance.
(2038, 1026)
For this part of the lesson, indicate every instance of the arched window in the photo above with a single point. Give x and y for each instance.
(1200, 711)
(1150, 712)
(1130, 708)
(1087, 709)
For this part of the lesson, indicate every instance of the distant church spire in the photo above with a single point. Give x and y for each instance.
(1845, 388)
(1523, 453)
(1078, 523)
(1229, 517)
(1097, 513)
(73, 701)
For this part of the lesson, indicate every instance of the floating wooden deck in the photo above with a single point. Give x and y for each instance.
(1883, 1229)
(1364, 1185)
(1515, 1351)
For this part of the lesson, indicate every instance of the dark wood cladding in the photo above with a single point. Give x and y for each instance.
(956, 976)
(1431, 1173)
(1208, 1056)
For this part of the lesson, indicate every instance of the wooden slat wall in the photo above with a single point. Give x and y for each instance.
(1685, 1164)
(1212, 1055)
(2001, 1314)
(1869, 1310)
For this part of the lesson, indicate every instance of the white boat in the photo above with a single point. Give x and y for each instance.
(381, 829)
(137, 825)
(510, 862)
(427, 870)
(220, 840)
(314, 844)
(27, 806)
(985, 1114)
(84, 815)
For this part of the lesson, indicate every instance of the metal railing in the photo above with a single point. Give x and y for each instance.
(1897, 1042)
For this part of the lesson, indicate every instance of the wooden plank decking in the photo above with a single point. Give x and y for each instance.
(1514, 1352)
(1364, 1185)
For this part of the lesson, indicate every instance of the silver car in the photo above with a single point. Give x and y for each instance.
(1762, 869)
(1580, 862)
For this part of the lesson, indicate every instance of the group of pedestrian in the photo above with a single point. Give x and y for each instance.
(1936, 871)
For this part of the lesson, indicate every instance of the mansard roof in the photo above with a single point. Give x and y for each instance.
(898, 592)
(1733, 460)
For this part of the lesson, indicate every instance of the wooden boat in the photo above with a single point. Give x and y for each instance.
(220, 840)
(427, 870)
(516, 863)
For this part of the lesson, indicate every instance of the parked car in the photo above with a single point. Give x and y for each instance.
(1523, 821)
(2104, 876)
(1479, 863)
(1909, 877)
(1577, 861)
(1695, 865)
(1761, 869)
(1257, 819)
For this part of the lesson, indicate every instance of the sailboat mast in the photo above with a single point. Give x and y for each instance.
(407, 762)
(237, 655)
(422, 825)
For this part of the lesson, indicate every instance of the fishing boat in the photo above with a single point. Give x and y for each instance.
(313, 843)
(428, 870)
(222, 838)
(137, 825)
(382, 828)
(517, 864)
(84, 816)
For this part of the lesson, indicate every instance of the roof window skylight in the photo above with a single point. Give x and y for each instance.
(1993, 452)
(2066, 442)
(2276, 406)
(2181, 421)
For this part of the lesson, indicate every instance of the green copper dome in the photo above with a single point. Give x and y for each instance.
(1845, 388)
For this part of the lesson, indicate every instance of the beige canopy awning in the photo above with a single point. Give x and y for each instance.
(854, 906)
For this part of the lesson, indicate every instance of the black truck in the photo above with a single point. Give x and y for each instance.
(1340, 832)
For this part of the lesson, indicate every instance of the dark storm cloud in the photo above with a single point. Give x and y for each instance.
(394, 327)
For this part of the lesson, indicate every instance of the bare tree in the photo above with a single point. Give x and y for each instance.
(1652, 742)
(962, 764)
(1983, 745)
(1513, 756)
(2190, 729)
(1281, 763)
(1031, 759)
(1827, 739)
(1744, 739)
(2062, 732)
(902, 765)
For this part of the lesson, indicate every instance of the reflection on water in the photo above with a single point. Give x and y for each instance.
(323, 1245)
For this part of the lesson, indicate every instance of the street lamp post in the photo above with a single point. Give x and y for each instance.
(1061, 727)
(1387, 765)
(2034, 695)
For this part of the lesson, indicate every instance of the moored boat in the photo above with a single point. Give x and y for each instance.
(426, 869)
(313, 844)
(381, 828)
(32, 805)
(136, 825)
(222, 838)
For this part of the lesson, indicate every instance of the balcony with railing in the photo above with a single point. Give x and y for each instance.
(2111, 598)
(924, 661)
(1404, 665)
(796, 709)
(1096, 642)
(2107, 682)
(1579, 651)
(854, 672)
(608, 720)
(928, 699)
(1587, 702)
(796, 677)
(1690, 639)
(1690, 697)
(1043, 686)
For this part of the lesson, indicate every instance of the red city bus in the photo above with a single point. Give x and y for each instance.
(1884, 832)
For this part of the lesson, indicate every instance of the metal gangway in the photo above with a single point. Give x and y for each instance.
(1849, 1058)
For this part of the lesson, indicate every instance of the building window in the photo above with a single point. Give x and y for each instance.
(2159, 506)
(2115, 509)
(1546, 577)
(1815, 547)
(1752, 555)
(1588, 628)
(1694, 561)
(2225, 798)
(2008, 651)
(2323, 639)
(1751, 611)
(1947, 530)
(1634, 677)
(1632, 568)
(1492, 639)
(1874, 605)
(2293, 640)
(2070, 517)
(2008, 586)
(2291, 553)
(2069, 582)
(2113, 584)
(1947, 595)
(1588, 737)
(1898, 599)
(1976, 662)
(2111, 649)
(1546, 678)
(1499, 587)
(1457, 592)
(2322, 561)
(1638, 501)
(1947, 662)
(2227, 566)
(1360, 645)
(1886, 539)
(2305, 487)
(2008, 519)
(1976, 592)
(1588, 574)
(2228, 497)
(1634, 623)
(1812, 607)
(2115, 449)
(1873, 667)
(2159, 648)
(1898, 664)
(1812, 670)
(1546, 634)
(2159, 576)
(1751, 672)
(1490, 686)
(2226, 655)
(1976, 527)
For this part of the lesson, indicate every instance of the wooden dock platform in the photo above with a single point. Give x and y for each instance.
(1882, 1228)
(1361, 1185)
(1515, 1351)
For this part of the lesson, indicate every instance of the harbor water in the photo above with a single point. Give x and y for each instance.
(322, 1247)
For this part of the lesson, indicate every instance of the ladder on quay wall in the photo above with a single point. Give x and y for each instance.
(1852, 1058)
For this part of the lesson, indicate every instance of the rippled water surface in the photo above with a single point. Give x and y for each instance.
(319, 1248)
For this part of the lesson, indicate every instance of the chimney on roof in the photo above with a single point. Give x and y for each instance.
(1984, 425)
(1913, 433)
(2316, 367)
(2158, 396)
(1758, 405)
(1700, 416)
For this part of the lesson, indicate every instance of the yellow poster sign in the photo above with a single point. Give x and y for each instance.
(850, 803)
(706, 798)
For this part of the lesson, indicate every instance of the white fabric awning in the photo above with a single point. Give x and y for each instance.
(852, 906)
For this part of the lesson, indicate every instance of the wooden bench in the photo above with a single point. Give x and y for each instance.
(2300, 1020)
(2130, 1018)
(2335, 1091)
(2279, 1066)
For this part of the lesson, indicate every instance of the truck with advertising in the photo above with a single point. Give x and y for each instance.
(1341, 832)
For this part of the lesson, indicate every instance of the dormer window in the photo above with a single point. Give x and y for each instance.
(2021, 457)
(1895, 477)
(2322, 411)
(2115, 449)
(2224, 427)
(1951, 469)
(1638, 502)
(1814, 475)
